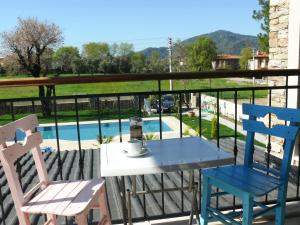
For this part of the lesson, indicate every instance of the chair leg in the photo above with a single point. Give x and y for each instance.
(81, 219)
(23, 218)
(52, 218)
(104, 212)
(280, 210)
(205, 201)
(247, 209)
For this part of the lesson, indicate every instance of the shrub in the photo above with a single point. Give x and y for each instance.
(214, 131)
(105, 139)
(150, 137)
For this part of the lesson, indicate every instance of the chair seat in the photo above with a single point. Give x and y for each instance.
(66, 198)
(244, 178)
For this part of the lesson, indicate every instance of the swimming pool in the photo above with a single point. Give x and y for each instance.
(91, 131)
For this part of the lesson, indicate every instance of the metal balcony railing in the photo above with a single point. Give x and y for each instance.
(83, 163)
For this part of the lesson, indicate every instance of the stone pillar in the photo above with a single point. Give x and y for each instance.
(284, 51)
(278, 46)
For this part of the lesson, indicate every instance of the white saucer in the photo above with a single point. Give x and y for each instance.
(144, 152)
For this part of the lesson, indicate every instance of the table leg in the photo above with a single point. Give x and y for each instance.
(123, 198)
(191, 180)
(129, 207)
(196, 205)
(133, 186)
(195, 209)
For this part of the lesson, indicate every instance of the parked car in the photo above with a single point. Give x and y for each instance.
(167, 103)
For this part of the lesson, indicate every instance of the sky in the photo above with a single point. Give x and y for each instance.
(144, 23)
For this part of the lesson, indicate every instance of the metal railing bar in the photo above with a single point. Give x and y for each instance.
(128, 94)
(60, 166)
(200, 113)
(119, 118)
(159, 109)
(12, 111)
(269, 146)
(180, 115)
(235, 149)
(79, 140)
(33, 107)
(99, 120)
(146, 77)
(218, 119)
(200, 136)
(140, 105)
(218, 136)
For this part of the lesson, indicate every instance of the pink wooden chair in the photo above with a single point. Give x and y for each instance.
(63, 198)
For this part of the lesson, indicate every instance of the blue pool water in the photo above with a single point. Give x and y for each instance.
(90, 131)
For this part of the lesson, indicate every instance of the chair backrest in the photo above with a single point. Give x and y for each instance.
(11, 150)
(287, 132)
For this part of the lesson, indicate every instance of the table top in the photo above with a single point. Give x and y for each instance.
(164, 156)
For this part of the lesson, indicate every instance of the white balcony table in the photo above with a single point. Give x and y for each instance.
(168, 155)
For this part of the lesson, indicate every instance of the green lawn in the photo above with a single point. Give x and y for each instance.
(70, 116)
(117, 87)
(225, 131)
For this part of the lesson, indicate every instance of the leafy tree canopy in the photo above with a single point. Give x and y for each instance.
(263, 15)
(246, 54)
(124, 49)
(65, 57)
(95, 51)
(201, 53)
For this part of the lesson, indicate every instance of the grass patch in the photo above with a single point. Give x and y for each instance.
(70, 116)
(225, 132)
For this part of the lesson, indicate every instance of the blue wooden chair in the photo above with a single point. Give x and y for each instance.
(253, 180)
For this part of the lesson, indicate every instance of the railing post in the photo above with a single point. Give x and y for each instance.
(59, 163)
(269, 147)
(159, 109)
(200, 114)
(99, 120)
(79, 140)
(180, 114)
(119, 118)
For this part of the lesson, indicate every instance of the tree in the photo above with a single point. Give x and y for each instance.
(79, 66)
(29, 43)
(125, 49)
(263, 15)
(2, 70)
(155, 61)
(201, 54)
(113, 49)
(11, 65)
(179, 56)
(214, 130)
(94, 54)
(138, 62)
(65, 57)
(246, 54)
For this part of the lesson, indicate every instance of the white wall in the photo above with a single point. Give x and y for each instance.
(294, 57)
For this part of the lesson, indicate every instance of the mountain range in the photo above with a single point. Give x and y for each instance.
(227, 43)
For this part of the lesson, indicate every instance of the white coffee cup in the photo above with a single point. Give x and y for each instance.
(134, 147)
